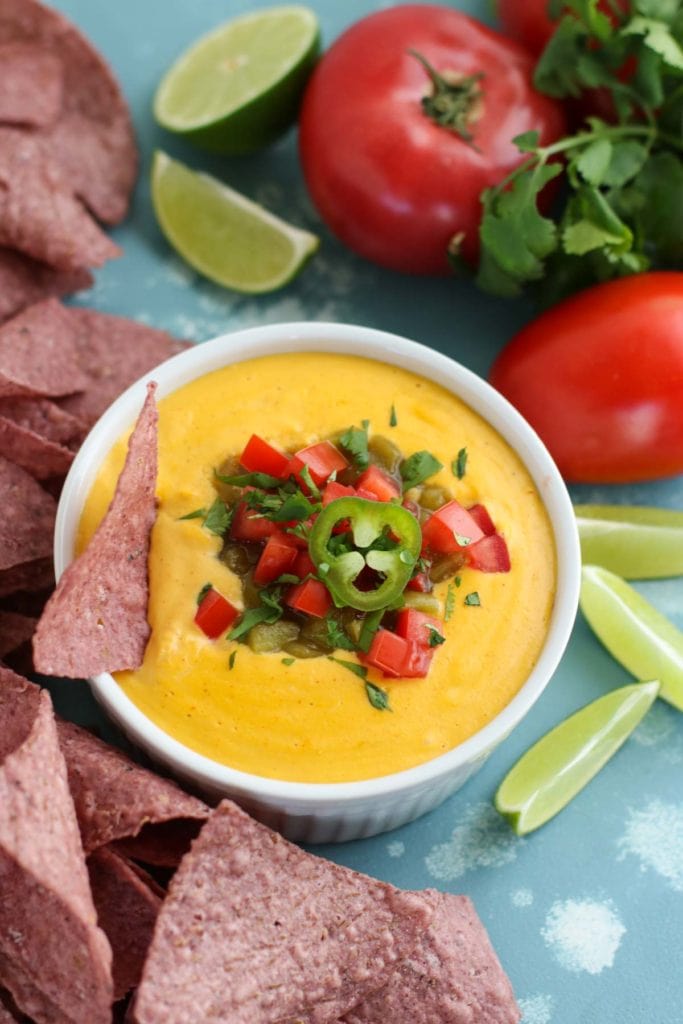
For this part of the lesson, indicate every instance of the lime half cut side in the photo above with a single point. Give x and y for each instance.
(636, 634)
(239, 87)
(633, 541)
(562, 762)
(222, 234)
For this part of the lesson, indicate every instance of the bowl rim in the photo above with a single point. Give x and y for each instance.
(382, 346)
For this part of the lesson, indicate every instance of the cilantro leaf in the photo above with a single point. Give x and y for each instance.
(199, 513)
(251, 618)
(352, 666)
(203, 592)
(473, 599)
(418, 468)
(337, 637)
(378, 697)
(354, 442)
(218, 518)
(262, 480)
(231, 660)
(435, 638)
(288, 661)
(393, 418)
(658, 37)
(294, 507)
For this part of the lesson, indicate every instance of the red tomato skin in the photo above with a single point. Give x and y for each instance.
(311, 597)
(387, 180)
(600, 378)
(380, 485)
(322, 459)
(527, 21)
(277, 557)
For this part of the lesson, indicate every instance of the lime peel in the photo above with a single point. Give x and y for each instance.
(635, 633)
(551, 773)
(633, 541)
(237, 88)
(222, 234)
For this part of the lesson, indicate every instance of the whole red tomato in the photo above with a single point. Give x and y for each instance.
(392, 183)
(527, 21)
(600, 378)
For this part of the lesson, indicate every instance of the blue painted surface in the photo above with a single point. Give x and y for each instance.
(587, 914)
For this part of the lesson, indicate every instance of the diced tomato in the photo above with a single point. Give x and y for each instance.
(247, 525)
(311, 597)
(260, 457)
(418, 661)
(379, 483)
(482, 518)
(336, 490)
(322, 460)
(361, 492)
(416, 626)
(278, 556)
(489, 555)
(304, 565)
(447, 529)
(421, 583)
(215, 614)
(388, 652)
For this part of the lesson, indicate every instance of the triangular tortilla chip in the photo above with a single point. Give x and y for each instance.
(31, 85)
(27, 521)
(24, 281)
(255, 929)
(38, 353)
(92, 139)
(113, 353)
(96, 620)
(452, 976)
(127, 908)
(115, 798)
(39, 214)
(54, 960)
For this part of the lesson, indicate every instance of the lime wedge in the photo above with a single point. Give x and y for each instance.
(563, 761)
(222, 234)
(239, 87)
(641, 639)
(633, 541)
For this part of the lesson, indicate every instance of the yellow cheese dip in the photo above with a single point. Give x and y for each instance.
(311, 721)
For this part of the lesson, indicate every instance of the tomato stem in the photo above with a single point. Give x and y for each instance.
(451, 104)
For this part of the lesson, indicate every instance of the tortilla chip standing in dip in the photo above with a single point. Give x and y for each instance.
(96, 619)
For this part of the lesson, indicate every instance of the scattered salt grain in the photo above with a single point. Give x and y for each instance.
(654, 834)
(583, 935)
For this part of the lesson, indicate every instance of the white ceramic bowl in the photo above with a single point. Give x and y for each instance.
(335, 811)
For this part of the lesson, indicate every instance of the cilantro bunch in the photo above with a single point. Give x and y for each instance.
(621, 206)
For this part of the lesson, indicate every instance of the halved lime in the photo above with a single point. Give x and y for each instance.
(563, 761)
(641, 639)
(633, 541)
(224, 235)
(239, 87)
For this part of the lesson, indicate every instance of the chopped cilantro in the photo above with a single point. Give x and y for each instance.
(352, 666)
(418, 468)
(459, 464)
(450, 601)
(288, 661)
(354, 441)
(262, 480)
(461, 540)
(294, 507)
(199, 513)
(218, 518)
(435, 638)
(473, 598)
(203, 592)
(393, 418)
(231, 660)
(378, 697)
(337, 637)
(458, 581)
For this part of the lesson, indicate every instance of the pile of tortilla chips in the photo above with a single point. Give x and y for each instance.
(68, 161)
(250, 930)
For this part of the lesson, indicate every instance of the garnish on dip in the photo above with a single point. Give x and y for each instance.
(338, 546)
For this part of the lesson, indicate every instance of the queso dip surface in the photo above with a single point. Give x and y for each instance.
(311, 721)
